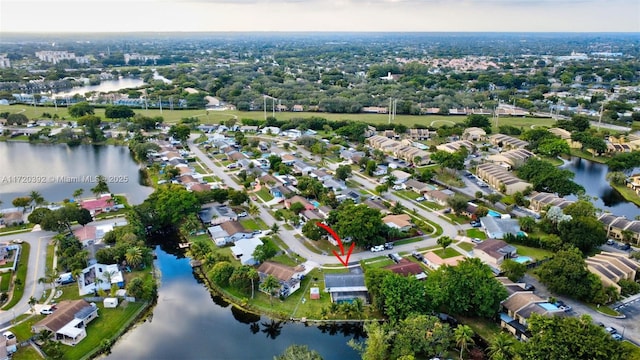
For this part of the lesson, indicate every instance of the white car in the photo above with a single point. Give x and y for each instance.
(46, 312)
(377, 248)
(243, 214)
(8, 335)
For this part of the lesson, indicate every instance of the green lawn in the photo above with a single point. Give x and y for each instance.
(535, 253)
(378, 262)
(250, 224)
(446, 253)
(214, 117)
(5, 281)
(487, 329)
(465, 246)
(264, 194)
(26, 353)
(603, 309)
(18, 229)
(475, 233)
(108, 324)
(457, 218)
(49, 261)
(284, 259)
(627, 193)
(23, 330)
(21, 275)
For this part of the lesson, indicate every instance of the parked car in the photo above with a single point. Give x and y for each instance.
(420, 199)
(611, 330)
(417, 255)
(447, 210)
(624, 246)
(377, 248)
(529, 287)
(8, 335)
(17, 241)
(610, 242)
(388, 245)
(476, 224)
(395, 257)
(243, 214)
(617, 337)
(46, 311)
(476, 241)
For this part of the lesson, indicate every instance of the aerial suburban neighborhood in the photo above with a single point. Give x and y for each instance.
(488, 201)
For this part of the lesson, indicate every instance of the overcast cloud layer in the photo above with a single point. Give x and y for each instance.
(319, 15)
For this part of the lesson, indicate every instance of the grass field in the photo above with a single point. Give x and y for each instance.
(475, 233)
(446, 253)
(26, 353)
(214, 117)
(21, 274)
(535, 253)
(465, 246)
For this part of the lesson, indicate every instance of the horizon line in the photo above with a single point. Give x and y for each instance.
(324, 32)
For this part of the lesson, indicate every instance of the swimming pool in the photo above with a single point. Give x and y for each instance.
(315, 204)
(523, 259)
(494, 213)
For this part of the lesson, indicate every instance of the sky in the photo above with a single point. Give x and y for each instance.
(319, 15)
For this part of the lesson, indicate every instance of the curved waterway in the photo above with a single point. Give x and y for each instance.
(189, 322)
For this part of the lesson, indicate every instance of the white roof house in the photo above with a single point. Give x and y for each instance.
(95, 277)
(243, 250)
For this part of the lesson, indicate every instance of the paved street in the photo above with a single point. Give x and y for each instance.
(296, 246)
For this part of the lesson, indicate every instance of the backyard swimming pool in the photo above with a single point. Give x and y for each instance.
(523, 259)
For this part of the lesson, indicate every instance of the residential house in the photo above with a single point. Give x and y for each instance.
(228, 232)
(621, 228)
(401, 222)
(11, 218)
(494, 252)
(68, 324)
(497, 228)
(320, 174)
(312, 215)
(374, 110)
(346, 287)
(243, 250)
(288, 159)
(541, 200)
(86, 234)
(633, 183)
(411, 154)
(199, 187)
(417, 186)
(419, 134)
(561, 133)
(7, 346)
(474, 134)
(380, 170)
(103, 203)
(407, 268)
(369, 131)
(454, 146)
(297, 108)
(433, 261)
(270, 130)
(248, 129)
(349, 154)
(334, 185)
(324, 210)
(501, 179)
(511, 159)
(280, 191)
(507, 142)
(288, 277)
(612, 267)
(297, 198)
(438, 196)
(303, 168)
(99, 276)
(216, 214)
(382, 143)
(518, 308)
(376, 204)
(401, 176)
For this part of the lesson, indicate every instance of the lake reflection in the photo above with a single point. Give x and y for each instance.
(187, 324)
(593, 177)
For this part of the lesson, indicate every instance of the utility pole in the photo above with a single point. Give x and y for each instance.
(264, 106)
(160, 102)
(390, 104)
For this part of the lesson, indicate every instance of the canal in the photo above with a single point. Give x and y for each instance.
(189, 322)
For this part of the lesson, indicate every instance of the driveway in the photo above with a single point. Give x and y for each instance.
(630, 325)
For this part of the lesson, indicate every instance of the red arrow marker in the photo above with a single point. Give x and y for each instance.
(333, 234)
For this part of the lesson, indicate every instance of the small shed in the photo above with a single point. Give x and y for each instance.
(314, 293)
(110, 303)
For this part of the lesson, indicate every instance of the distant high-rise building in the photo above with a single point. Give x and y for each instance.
(4, 61)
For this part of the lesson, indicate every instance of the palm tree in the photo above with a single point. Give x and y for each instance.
(270, 285)
(275, 229)
(50, 276)
(134, 256)
(32, 302)
(77, 193)
(253, 209)
(36, 198)
(501, 348)
(43, 335)
(252, 274)
(464, 337)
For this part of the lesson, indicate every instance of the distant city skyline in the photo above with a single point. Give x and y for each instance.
(75, 16)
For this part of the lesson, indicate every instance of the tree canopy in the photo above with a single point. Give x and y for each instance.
(470, 288)
(546, 177)
(359, 222)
